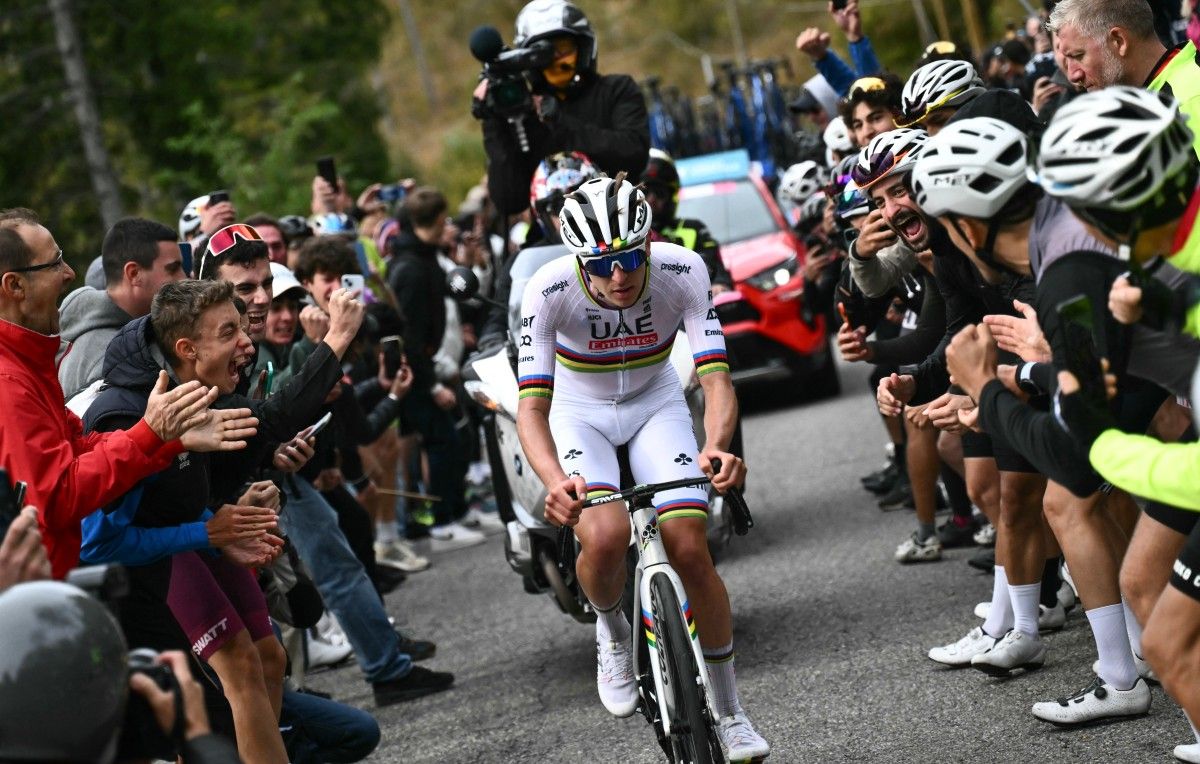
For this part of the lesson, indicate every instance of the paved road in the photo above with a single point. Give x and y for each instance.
(831, 637)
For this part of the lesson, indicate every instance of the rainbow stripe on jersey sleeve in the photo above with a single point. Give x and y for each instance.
(709, 361)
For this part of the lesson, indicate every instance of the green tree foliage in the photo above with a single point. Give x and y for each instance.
(193, 97)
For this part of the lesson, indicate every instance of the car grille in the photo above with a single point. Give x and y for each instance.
(736, 312)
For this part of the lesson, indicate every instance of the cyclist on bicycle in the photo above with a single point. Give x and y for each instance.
(597, 335)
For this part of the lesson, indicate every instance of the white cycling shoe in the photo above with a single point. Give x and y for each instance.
(741, 741)
(615, 680)
(1096, 702)
(1015, 650)
(961, 652)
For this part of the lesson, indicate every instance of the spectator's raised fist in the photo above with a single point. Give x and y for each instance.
(813, 43)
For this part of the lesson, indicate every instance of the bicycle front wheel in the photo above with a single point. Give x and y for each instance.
(683, 702)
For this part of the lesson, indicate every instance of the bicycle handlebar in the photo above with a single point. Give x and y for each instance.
(742, 521)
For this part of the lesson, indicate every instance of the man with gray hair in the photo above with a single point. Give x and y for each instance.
(1112, 42)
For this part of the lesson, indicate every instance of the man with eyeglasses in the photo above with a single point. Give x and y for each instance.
(41, 442)
(594, 374)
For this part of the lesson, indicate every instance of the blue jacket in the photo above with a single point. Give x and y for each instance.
(840, 76)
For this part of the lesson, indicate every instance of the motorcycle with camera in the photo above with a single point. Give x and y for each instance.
(531, 542)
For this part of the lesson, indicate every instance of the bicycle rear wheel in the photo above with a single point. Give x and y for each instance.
(683, 702)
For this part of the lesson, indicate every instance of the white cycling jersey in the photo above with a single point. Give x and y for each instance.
(610, 375)
(573, 345)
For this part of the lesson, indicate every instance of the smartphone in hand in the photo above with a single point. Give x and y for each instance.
(393, 354)
(1077, 326)
(354, 283)
(327, 170)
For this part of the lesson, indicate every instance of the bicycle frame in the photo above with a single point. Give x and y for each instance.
(652, 559)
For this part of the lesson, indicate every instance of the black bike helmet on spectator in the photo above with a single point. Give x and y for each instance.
(294, 228)
(64, 674)
(555, 177)
(604, 216)
(547, 19)
(1121, 157)
(937, 85)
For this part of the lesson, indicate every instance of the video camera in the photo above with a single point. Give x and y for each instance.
(509, 95)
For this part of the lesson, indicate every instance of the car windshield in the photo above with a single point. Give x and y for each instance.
(733, 210)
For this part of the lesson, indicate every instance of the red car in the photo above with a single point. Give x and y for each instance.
(769, 335)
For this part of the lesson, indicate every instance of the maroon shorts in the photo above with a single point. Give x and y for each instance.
(212, 600)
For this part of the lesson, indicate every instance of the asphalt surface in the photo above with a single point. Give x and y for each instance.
(831, 637)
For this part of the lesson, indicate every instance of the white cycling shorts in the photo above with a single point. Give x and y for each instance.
(662, 446)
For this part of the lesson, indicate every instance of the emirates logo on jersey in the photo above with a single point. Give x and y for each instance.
(614, 343)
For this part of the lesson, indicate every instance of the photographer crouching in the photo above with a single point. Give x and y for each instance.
(545, 96)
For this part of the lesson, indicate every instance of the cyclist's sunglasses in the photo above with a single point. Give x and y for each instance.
(941, 48)
(866, 85)
(629, 260)
(915, 113)
(225, 239)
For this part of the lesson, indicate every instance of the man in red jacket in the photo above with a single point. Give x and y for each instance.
(67, 473)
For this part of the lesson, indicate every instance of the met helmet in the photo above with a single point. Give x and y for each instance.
(888, 154)
(938, 84)
(545, 19)
(603, 216)
(556, 176)
(189, 219)
(64, 674)
(973, 168)
(801, 181)
(1113, 148)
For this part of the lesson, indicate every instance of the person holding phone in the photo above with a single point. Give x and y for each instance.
(419, 284)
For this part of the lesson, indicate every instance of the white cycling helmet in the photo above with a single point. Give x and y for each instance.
(837, 138)
(603, 216)
(189, 219)
(801, 181)
(938, 84)
(888, 154)
(1113, 148)
(973, 167)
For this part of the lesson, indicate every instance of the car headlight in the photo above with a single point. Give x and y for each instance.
(775, 276)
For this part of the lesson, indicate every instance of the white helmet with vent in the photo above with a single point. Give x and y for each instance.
(603, 216)
(973, 167)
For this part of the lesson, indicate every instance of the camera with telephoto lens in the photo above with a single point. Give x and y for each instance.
(509, 95)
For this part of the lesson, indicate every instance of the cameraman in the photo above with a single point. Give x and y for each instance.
(573, 108)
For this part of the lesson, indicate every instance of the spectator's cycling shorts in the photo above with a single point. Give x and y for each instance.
(213, 599)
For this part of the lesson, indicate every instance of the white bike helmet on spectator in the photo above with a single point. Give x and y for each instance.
(837, 141)
(1114, 149)
(938, 84)
(189, 219)
(801, 181)
(972, 168)
(888, 154)
(544, 19)
(603, 216)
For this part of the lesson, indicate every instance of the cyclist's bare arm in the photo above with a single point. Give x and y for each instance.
(720, 420)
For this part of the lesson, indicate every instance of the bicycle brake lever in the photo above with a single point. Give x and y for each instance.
(742, 521)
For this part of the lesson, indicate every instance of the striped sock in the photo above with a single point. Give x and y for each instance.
(721, 679)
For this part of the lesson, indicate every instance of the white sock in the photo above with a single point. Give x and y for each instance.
(1133, 629)
(1000, 616)
(1193, 726)
(721, 679)
(1025, 599)
(611, 623)
(1112, 644)
(385, 533)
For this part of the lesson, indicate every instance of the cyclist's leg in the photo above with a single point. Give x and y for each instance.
(603, 531)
